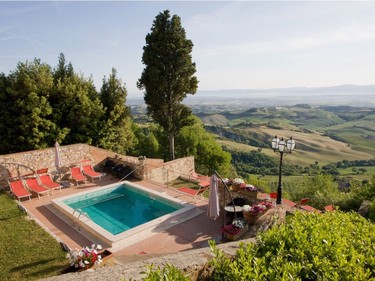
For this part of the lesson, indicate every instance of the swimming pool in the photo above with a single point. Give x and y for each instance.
(123, 213)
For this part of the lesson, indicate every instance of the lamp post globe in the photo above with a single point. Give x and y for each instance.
(281, 146)
(275, 143)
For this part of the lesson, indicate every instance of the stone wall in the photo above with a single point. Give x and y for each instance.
(24, 163)
(169, 171)
(224, 193)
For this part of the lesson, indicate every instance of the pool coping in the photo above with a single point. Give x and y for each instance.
(119, 241)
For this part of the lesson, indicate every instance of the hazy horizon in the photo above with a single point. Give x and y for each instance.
(237, 44)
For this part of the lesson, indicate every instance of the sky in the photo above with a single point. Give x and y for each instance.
(237, 44)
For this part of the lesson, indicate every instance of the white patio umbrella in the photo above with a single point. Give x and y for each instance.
(213, 209)
(58, 162)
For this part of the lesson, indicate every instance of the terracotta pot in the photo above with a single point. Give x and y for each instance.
(251, 218)
(233, 237)
(253, 194)
(235, 187)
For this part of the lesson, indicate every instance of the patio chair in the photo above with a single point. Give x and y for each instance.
(33, 185)
(77, 175)
(89, 171)
(18, 189)
(194, 192)
(302, 202)
(46, 180)
(308, 208)
(329, 208)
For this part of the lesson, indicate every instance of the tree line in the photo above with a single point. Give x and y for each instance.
(40, 105)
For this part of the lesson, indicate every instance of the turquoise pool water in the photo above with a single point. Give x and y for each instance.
(122, 207)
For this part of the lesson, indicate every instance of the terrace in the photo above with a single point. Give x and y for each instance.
(154, 175)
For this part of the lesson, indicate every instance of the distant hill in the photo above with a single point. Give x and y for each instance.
(353, 95)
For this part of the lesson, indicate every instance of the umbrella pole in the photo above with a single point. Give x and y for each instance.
(231, 198)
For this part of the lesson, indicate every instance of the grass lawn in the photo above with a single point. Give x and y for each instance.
(27, 251)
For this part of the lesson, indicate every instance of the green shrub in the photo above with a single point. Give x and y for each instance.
(167, 273)
(357, 194)
(320, 189)
(331, 246)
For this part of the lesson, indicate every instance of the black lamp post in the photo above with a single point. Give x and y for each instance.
(282, 147)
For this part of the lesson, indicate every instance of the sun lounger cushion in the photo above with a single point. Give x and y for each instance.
(193, 192)
(33, 185)
(89, 171)
(77, 175)
(47, 181)
(18, 189)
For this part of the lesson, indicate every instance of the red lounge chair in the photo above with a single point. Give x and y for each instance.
(289, 203)
(18, 189)
(46, 180)
(329, 208)
(33, 185)
(200, 177)
(89, 171)
(194, 192)
(302, 202)
(77, 175)
(309, 209)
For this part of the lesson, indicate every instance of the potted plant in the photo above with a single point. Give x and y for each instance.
(86, 257)
(234, 230)
(236, 183)
(250, 189)
(251, 213)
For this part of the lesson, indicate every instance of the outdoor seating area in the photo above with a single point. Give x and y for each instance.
(40, 184)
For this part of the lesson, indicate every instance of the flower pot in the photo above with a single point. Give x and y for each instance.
(233, 237)
(235, 187)
(251, 218)
(253, 194)
(107, 259)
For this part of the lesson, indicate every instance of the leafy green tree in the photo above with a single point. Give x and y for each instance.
(63, 69)
(168, 75)
(320, 189)
(195, 141)
(27, 92)
(77, 110)
(116, 133)
(147, 145)
(6, 116)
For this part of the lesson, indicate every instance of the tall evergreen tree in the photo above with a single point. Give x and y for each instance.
(116, 134)
(168, 75)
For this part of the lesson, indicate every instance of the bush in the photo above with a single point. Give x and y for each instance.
(167, 273)
(331, 246)
(320, 189)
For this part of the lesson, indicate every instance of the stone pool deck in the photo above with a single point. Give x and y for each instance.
(191, 234)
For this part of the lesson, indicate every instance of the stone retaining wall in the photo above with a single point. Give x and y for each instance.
(24, 163)
(169, 171)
